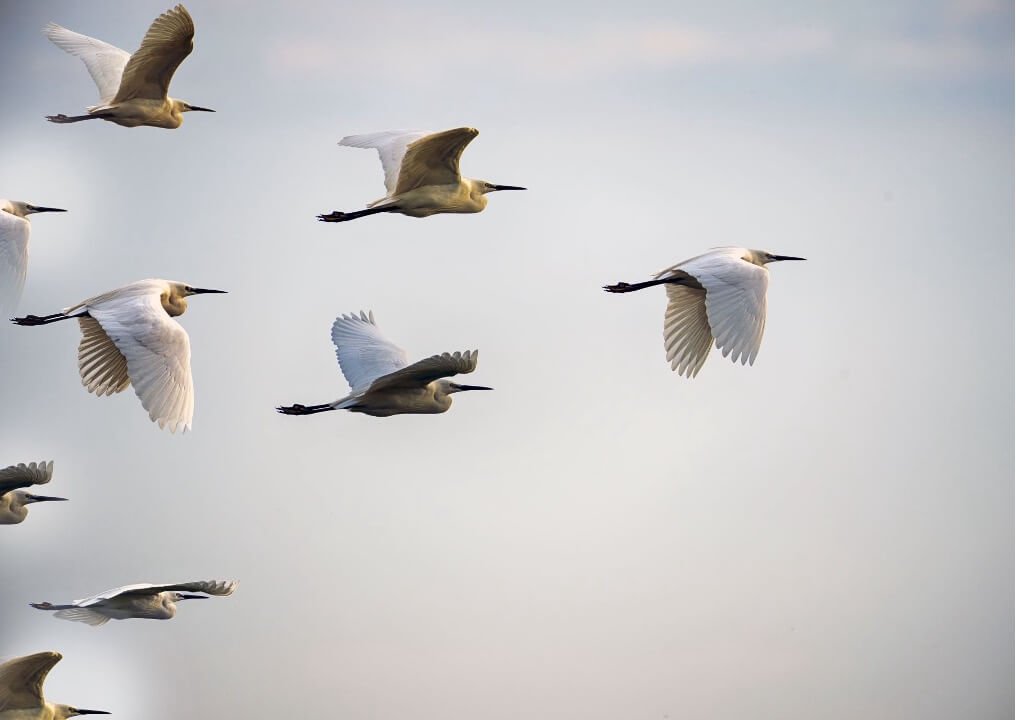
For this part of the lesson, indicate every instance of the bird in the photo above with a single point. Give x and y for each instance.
(382, 381)
(129, 337)
(421, 174)
(717, 296)
(15, 229)
(21, 697)
(153, 602)
(133, 89)
(14, 501)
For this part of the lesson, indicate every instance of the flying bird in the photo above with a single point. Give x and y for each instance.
(21, 697)
(382, 381)
(154, 602)
(14, 501)
(133, 89)
(718, 296)
(14, 232)
(129, 337)
(421, 174)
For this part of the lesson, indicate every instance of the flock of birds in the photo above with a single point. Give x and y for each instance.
(129, 337)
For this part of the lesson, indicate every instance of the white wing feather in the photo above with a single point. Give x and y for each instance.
(735, 303)
(364, 354)
(105, 62)
(21, 475)
(83, 615)
(157, 351)
(428, 370)
(221, 588)
(686, 334)
(391, 147)
(14, 234)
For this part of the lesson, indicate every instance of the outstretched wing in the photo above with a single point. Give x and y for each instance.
(14, 233)
(364, 354)
(686, 334)
(736, 305)
(22, 475)
(220, 588)
(168, 41)
(157, 351)
(391, 148)
(102, 367)
(105, 62)
(427, 370)
(21, 680)
(434, 159)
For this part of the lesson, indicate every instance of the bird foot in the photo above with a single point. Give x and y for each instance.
(42, 605)
(334, 216)
(61, 118)
(618, 288)
(292, 409)
(30, 320)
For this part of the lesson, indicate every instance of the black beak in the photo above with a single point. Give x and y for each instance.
(204, 291)
(774, 258)
(79, 711)
(193, 597)
(201, 109)
(476, 387)
(44, 498)
(37, 209)
(508, 187)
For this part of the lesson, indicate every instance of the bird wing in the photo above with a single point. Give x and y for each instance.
(21, 475)
(157, 351)
(168, 41)
(424, 371)
(14, 232)
(221, 588)
(105, 62)
(391, 148)
(735, 304)
(102, 366)
(434, 159)
(136, 589)
(364, 354)
(82, 615)
(21, 680)
(686, 334)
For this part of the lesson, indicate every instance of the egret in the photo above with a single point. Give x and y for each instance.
(421, 174)
(21, 697)
(721, 296)
(133, 88)
(129, 337)
(14, 231)
(14, 501)
(154, 602)
(382, 381)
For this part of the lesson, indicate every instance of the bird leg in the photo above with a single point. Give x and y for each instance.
(63, 119)
(623, 287)
(33, 320)
(50, 606)
(305, 409)
(339, 216)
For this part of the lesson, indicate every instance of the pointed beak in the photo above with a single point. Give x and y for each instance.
(79, 711)
(774, 258)
(508, 187)
(204, 291)
(42, 498)
(193, 597)
(201, 109)
(473, 387)
(38, 209)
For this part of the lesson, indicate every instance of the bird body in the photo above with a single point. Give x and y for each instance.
(129, 337)
(15, 230)
(133, 89)
(21, 697)
(144, 601)
(719, 296)
(382, 381)
(421, 174)
(14, 501)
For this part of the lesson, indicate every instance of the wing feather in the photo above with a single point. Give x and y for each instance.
(14, 234)
(363, 352)
(102, 366)
(21, 475)
(686, 334)
(21, 680)
(391, 148)
(105, 62)
(427, 370)
(82, 615)
(150, 69)
(434, 159)
(736, 306)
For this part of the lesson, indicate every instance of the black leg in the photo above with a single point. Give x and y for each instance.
(623, 287)
(304, 409)
(339, 216)
(63, 119)
(33, 320)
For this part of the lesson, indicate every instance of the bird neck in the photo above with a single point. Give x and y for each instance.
(174, 305)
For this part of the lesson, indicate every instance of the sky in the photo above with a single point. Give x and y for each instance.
(828, 533)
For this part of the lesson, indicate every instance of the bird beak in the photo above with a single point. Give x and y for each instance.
(41, 498)
(38, 209)
(200, 109)
(193, 597)
(79, 711)
(508, 187)
(203, 291)
(474, 387)
(774, 258)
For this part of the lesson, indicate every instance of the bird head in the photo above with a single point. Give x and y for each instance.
(66, 711)
(187, 107)
(450, 387)
(487, 187)
(177, 597)
(28, 498)
(173, 300)
(762, 257)
(21, 209)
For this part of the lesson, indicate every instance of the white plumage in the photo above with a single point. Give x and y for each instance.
(14, 500)
(15, 230)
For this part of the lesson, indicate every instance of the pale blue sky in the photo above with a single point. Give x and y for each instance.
(825, 534)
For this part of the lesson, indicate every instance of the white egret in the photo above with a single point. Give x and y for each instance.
(133, 89)
(153, 602)
(129, 337)
(21, 697)
(421, 174)
(382, 381)
(721, 296)
(15, 229)
(14, 501)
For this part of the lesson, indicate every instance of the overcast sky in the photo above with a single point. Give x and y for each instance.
(826, 534)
